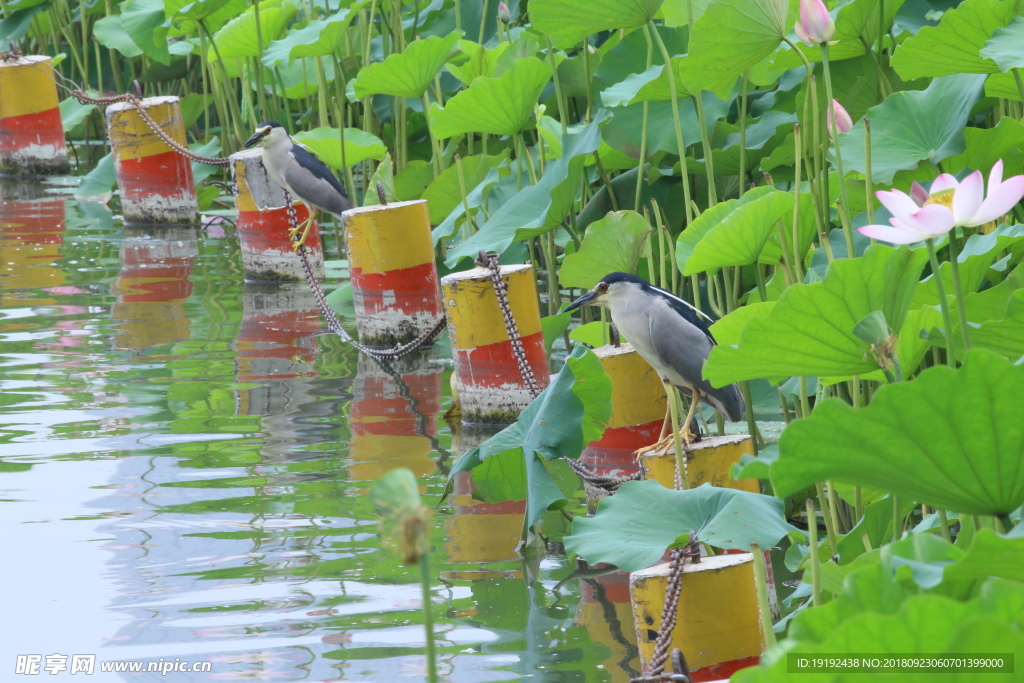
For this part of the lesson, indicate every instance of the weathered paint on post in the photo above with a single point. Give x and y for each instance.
(31, 130)
(394, 276)
(718, 627)
(638, 410)
(155, 181)
(262, 225)
(394, 416)
(708, 462)
(153, 285)
(491, 388)
(605, 611)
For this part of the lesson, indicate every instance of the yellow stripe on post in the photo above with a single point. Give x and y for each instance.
(474, 316)
(384, 238)
(638, 395)
(708, 462)
(132, 138)
(27, 86)
(717, 616)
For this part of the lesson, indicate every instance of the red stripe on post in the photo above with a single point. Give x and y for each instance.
(413, 291)
(167, 175)
(494, 366)
(260, 231)
(42, 129)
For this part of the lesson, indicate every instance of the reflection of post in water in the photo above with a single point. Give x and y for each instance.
(31, 234)
(604, 610)
(480, 532)
(151, 290)
(274, 362)
(393, 415)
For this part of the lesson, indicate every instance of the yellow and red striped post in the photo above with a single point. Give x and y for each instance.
(718, 626)
(393, 274)
(490, 386)
(153, 285)
(155, 181)
(386, 433)
(262, 225)
(638, 411)
(31, 130)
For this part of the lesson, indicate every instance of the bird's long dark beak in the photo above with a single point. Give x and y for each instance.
(253, 140)
(582, 301)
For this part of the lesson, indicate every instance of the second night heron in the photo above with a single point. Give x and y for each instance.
(668, 334)
(301, 174)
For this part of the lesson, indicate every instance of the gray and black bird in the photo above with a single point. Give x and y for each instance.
(298, 171)
(669, 334)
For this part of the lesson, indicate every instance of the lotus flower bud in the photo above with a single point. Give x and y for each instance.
(503, 14)
(839, 118)
(815, 26)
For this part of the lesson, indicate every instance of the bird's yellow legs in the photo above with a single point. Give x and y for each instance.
(302, 229)
(680, 435)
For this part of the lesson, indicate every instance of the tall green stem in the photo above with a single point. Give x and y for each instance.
(812, 534)
(675, 117)
(643, 130)
(743, 135)
(947, 320)
(834, 130)
(954, 264)
(428, 618)
(761, 583)
(826, 513)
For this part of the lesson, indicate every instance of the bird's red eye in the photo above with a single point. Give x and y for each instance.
(602, 287)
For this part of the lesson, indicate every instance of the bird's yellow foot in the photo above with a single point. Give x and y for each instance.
(662, 447)
(302, 228)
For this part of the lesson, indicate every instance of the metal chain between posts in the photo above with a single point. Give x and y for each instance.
(490, 261)
(332, 319)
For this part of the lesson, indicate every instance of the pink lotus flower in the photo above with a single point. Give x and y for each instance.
(815, 26)
(503, 14)
(909, 223)
(971, 207)
(839, 118)
(923, 215)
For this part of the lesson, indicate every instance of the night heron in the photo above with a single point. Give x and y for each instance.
(668, 333)
(300, 173)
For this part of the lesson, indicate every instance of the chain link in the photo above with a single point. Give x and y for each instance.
(490, 261)
(329, 315)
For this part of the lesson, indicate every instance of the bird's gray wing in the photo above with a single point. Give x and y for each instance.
(314, 182)
(684, 347)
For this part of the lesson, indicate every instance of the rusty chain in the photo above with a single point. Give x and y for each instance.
(332, 319)
(490, 261)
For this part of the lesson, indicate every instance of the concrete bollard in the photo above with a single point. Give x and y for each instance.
(155, 181)
(153, 285)
(31, 130)
(709, 462)
(394, 277)
(718, 627)
(490, 386)
(638, 410)
(393, 416)
(262, 225)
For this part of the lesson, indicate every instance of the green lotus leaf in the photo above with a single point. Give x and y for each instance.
(633, 528)
(740, 237)
(1006, 336)
(809, 331)
(479, 61)
(948, 439)
(568, 414)
(499, 106)
(143, 22)
(238, 37)
(319, 38)
(538, 208)
(624, 130)
(704, 223)
(110, 33)
(569, 21)
(614, 243)
(954, 46)
(729, 38)
(325, 143)
(185, 15)
(445, 193)
(911, 126)
(407, 74)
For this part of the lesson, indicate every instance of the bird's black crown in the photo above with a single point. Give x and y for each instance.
(271, 124)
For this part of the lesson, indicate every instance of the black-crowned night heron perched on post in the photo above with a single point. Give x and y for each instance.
(301, 174)
(667, 333)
